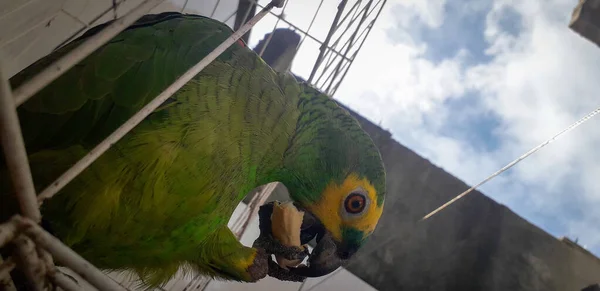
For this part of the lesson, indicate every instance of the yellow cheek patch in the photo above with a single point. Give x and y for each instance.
(328, 208)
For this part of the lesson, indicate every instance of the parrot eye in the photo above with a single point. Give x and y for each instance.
(355, 203)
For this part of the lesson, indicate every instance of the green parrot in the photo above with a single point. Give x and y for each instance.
(159, 200)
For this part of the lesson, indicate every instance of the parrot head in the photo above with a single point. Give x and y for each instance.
(341, 222)
(335, 174)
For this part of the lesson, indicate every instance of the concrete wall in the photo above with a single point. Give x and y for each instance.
(585, 20)
(475, 244)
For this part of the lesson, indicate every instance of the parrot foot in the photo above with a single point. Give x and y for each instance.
(272, 246)
(260, 267)
(267, 242)
(282, 274)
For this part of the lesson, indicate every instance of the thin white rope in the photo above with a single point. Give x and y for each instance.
(514, 162)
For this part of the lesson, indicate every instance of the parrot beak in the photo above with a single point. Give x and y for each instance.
(328, 255)
(325, 258)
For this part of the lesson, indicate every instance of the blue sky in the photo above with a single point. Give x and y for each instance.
(470, 85)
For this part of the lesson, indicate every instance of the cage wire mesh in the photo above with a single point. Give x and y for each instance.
(326, 54)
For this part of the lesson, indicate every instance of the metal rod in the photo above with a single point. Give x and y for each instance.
(351, 40)
(244, 9)
(337, 41)
(53, 71)
(302, 285)
(348, 44)
(15, 153)
(339, 68)
(66, 256)
(312, 21)
(354, 55)
(185, 5)
(355, 6)
(82, 164)
(327, 39)
(214, 8)
(332, 76)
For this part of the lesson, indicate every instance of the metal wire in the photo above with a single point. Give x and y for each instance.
(214, 8)
(312, 21)
(348, 44)
(332, 29)
(350, 41)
